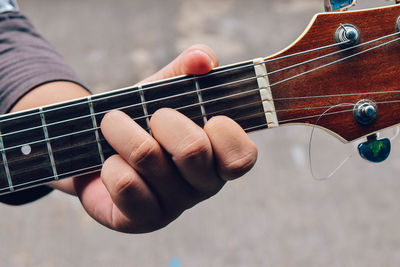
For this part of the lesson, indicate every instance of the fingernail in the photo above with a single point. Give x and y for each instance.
(201, 52)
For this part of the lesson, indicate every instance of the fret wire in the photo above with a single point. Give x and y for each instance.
(144, 106)
(218, 71)
(49, 148)
(96, 133)
(200, 97)
(6, 168)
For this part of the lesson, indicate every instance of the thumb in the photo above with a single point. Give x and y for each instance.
(198, 59)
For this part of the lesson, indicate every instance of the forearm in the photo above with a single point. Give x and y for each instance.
(32, 74)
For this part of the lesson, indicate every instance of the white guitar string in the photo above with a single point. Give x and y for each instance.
(323, 66)
(237, 94)
(310, 161)
(225, 97)
(199, 90)
(156, 84)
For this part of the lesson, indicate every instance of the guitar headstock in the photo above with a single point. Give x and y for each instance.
(317, 82)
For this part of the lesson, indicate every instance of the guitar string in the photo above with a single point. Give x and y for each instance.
(219, 112)
(208, 88)
(192, 118)
(91, 168)
(50, 178)
(88, 143)
(236, 119)
(102, 139)
(237, 94)
(78, 172)
(343, 59)
(319, 178)
(193, 77)
(206, 102)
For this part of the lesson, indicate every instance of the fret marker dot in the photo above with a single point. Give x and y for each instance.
(26, 149)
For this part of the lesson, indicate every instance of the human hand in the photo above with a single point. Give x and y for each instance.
(153, 179)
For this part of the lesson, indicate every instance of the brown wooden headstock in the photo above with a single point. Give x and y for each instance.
(372, 74)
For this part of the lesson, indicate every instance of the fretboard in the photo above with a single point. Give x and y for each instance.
(64, 140)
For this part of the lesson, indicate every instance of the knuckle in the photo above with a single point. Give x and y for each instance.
(127, 182)
(238, 165)
(193, 147)
(142, 153)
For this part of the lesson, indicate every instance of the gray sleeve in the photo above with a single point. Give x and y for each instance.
(26, 61)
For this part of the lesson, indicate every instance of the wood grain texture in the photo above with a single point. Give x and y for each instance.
(361, 76)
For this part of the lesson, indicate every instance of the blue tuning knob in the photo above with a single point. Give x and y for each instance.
(338, 5)
(375, 150)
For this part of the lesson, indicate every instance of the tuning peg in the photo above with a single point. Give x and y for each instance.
(375, 150)
(339, 5)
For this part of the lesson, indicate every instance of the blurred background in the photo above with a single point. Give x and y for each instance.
(277, 215)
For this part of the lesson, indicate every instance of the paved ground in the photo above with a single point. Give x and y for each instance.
(277, 215)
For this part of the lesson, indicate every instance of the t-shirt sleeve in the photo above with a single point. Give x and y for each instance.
(27, 61)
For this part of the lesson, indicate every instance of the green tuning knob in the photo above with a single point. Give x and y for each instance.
(375, 150)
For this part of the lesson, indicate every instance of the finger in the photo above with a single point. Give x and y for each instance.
(95, 199)
(198, 59)
(129, 192)
(234, 151)
(189, 147)
(98, 204)
(145, 155)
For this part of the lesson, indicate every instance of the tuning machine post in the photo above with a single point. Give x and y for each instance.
(348, 35)
(375, 150)
(398, 23)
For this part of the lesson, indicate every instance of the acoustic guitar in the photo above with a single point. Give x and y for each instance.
(341, 75)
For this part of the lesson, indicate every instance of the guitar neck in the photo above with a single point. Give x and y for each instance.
(313, 81)
(64, 140)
